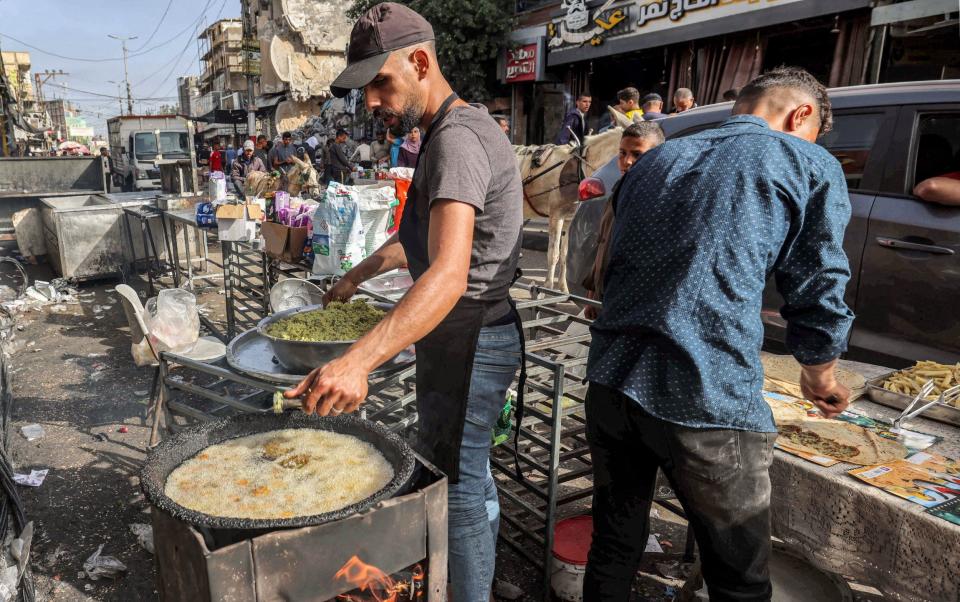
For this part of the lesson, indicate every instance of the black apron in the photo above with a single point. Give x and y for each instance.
(445, 355)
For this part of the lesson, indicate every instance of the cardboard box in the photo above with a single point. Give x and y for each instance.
(283, 242)
(238, 223)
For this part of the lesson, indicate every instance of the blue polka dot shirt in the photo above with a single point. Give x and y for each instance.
(701, 223)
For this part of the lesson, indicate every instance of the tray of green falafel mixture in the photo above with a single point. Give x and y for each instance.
(280, 348)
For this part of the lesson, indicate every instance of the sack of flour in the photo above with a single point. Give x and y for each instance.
(338, 234)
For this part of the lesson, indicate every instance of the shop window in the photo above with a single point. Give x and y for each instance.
(938, 146)
(851, 141)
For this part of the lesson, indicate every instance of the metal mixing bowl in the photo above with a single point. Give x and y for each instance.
(300, 357)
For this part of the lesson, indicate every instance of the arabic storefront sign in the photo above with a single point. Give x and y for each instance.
(579, 25)
(521, 64)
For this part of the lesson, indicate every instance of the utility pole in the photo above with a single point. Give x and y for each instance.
(126, 78)
(251, 67)
(119, 93)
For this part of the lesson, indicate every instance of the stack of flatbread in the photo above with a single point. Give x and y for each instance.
(781, 374)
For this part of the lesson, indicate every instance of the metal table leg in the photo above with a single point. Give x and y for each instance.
(175, 252)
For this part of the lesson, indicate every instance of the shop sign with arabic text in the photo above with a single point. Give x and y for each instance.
(521, 64)
(580, 25)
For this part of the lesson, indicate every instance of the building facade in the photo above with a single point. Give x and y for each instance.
(32, 114)
(300, 49)
(222, 84)
(188, 94)
(566, 48)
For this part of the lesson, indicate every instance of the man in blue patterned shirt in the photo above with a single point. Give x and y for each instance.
(674, 369)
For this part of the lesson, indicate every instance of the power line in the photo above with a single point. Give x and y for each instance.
(105, 59)
(99, 94)
(179, 56)
(182, 52)
(157, 28)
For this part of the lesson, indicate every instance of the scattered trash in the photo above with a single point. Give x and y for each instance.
(666, 543)
(144, 534)
(98, 566)
(58, 308)
(88, 587)
(140, 393)
(8, 583)
(100, 437)
(32, 431)
(96, 375)
(654, 513)
(34, 479)
(670, 591)
(123, 429)
(670, 570)
(653, 545)
(505, 590)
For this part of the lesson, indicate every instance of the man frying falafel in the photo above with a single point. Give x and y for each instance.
(460, 237)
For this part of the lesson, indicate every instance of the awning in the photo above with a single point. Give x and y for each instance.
(623, 27)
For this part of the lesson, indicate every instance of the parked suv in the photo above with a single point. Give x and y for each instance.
(903, 252)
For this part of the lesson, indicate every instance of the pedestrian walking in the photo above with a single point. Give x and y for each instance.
(636, 140)
(575, 123)
(231, 154)
(281, 155)
(262, 149)
(674, 367)
(340, 166)
(653, 107)
(380, 149)
(683, 100)
(628, 103)
(216, 158)
(410, 149)
(460, 237)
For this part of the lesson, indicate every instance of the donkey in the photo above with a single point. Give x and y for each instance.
(302, 177)
(551, 176)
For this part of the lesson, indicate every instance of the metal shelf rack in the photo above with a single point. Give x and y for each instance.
(552, 447)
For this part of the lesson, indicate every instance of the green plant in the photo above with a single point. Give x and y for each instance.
(470, 35)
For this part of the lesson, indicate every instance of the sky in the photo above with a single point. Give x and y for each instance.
(166, 47)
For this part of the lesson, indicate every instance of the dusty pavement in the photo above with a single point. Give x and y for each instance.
(72, 373)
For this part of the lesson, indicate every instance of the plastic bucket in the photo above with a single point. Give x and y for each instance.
(571, 542)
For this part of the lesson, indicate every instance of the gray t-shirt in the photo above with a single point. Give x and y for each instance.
(470, 160)
(281, 153)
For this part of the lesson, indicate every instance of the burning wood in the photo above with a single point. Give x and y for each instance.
(373, 585)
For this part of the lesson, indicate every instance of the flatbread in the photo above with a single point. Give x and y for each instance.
(780, 386)
(840, 440)
(785, 412)
(785, 370)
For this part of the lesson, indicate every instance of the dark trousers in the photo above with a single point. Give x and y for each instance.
(720, 476)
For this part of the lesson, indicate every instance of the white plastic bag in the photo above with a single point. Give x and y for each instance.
(217, 187)
(376, 205)
(338, 235)
(172, 320)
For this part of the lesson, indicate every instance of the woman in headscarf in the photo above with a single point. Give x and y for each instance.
(410, 149)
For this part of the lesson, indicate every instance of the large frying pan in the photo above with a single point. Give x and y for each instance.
(184, 445)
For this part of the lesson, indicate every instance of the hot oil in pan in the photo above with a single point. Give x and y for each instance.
(279, 474)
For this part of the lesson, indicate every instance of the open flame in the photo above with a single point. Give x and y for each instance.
(376, 585)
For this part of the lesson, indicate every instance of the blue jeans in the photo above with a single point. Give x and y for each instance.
(474, 518)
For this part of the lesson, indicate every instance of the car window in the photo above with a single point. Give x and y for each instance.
(851, 141)
(938, 146)
(694, 130)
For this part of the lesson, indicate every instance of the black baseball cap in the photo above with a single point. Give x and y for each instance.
(652, 97)
(386, 27)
